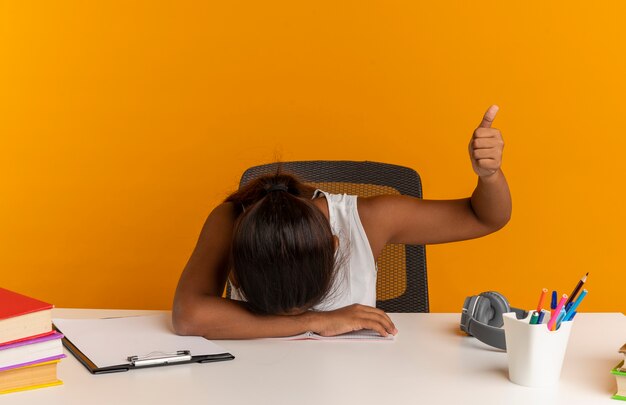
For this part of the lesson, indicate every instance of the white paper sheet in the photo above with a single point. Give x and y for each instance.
(109, 342)
(363, 334)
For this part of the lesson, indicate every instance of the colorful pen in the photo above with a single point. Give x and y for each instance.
(541, 297)
(553, 304)
(541, 315)
(557, 311)
(582, 281)
(533, 318)
(575, 305)
(560, 318)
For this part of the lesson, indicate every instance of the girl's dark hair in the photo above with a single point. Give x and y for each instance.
(283, 250)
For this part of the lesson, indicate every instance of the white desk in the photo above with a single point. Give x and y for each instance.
(430, 362)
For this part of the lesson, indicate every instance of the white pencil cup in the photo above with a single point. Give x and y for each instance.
(535, 353)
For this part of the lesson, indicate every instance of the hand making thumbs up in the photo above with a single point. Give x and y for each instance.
(485, 147)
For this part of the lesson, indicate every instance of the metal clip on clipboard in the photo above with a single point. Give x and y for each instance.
(159, 358)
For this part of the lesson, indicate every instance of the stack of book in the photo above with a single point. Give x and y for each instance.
(620, 375)
(29, 348)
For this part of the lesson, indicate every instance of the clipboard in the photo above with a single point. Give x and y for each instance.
(109, 345)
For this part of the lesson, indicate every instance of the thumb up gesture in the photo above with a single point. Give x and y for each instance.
(485, 147)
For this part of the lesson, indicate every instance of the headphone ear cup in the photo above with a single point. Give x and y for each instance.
(499, 304)
(483, 312)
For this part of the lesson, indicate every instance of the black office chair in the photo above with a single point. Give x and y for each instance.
(401, 285)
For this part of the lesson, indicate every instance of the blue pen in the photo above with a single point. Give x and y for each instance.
(553, 304)
(574, 306)
(573, 314)
(568, 306)
(561, 317)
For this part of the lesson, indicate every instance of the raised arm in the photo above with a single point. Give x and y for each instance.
(404, 219)
(200, 310)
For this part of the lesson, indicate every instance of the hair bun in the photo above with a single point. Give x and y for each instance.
(277, 187)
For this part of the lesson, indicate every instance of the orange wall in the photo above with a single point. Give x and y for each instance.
(122, 124)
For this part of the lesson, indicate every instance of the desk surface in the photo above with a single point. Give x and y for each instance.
(430, 362)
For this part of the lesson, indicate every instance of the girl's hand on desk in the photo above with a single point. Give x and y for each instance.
(351, 318)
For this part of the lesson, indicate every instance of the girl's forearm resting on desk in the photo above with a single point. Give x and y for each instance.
(221, 318)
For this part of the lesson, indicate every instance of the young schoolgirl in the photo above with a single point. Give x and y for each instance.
(300, 259)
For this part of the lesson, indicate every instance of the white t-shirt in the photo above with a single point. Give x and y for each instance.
(355, 282)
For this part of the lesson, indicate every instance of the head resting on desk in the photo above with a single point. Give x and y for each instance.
(283, 251)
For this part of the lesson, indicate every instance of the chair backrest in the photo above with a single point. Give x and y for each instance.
(402, 285)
